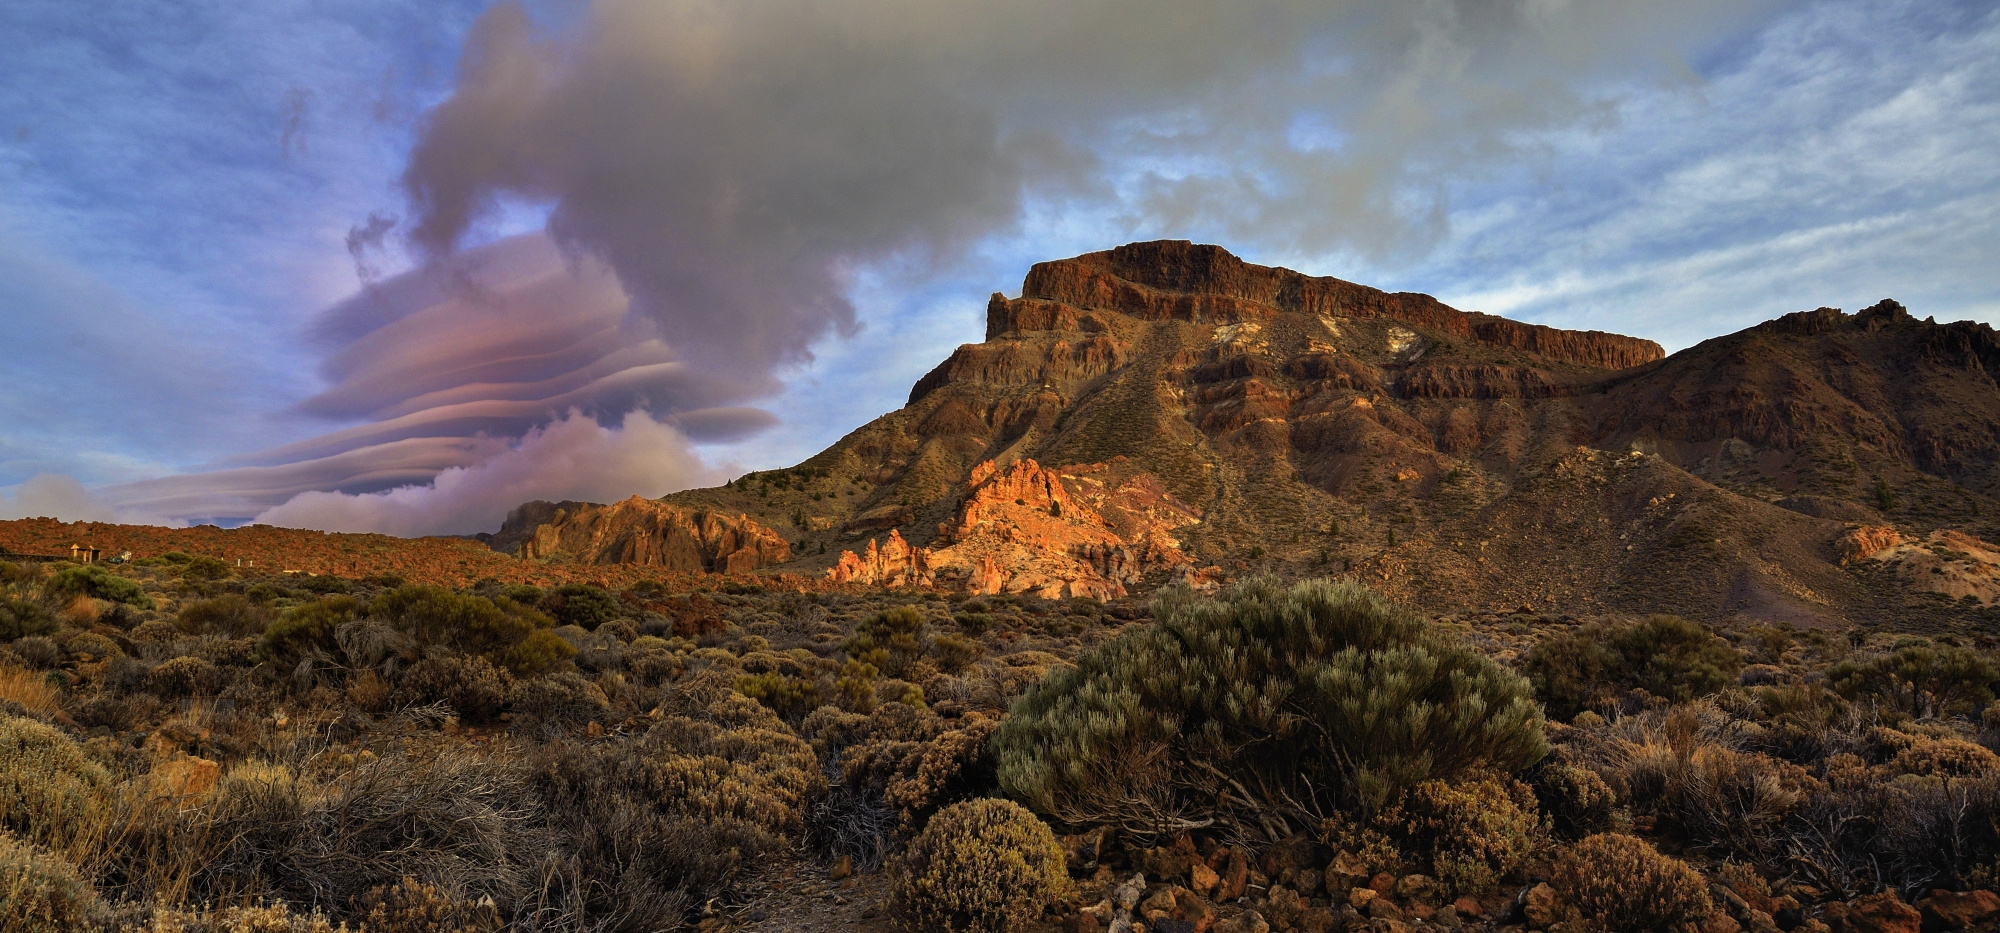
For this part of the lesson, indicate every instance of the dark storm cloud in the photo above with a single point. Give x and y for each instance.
(734, 162)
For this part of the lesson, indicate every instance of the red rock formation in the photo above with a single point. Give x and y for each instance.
(1031, 529)
(655, 534)
(1866, 541)
(894, 564)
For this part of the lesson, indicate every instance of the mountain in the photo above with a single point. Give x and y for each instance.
(1165, 411)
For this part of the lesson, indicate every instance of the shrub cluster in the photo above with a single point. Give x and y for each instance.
(1597, 665)
(1620, 884)
(980, 866)
(1266, 701)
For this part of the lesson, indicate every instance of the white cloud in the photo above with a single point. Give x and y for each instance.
(572, 458)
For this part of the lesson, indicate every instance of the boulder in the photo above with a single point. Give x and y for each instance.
(1959, 910)
(1876, 913)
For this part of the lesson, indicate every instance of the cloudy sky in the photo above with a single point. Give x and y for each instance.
(394, 265)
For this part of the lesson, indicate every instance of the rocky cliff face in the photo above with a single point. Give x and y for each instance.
(1084, 531)
(650, 533)
(1456, 460)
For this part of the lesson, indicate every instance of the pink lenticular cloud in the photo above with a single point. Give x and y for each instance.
(572, 458)
(455, 392)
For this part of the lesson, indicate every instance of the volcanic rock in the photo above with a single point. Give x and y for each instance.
(654, 534)
(1191, 416)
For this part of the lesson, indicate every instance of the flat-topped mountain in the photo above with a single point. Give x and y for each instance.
(1167, 411)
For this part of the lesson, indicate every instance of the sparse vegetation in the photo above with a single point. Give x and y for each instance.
(1259, 709)
(260, 751)
(981, 866)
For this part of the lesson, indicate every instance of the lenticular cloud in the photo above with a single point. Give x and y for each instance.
(571, 458)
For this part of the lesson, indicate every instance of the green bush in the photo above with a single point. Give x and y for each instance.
(50, 793)
(790, 696)
(1578, 802)
(229, 614)
(541, 650)
(304, 635)
(184, 677)
(202, 569)
(1620, 884)
(1919, 677)
(41, 893)
(1263, 703)
(97, 583)
(581, 605)
(1470, 833)
(557, 703)
(325, 585)
(1666, 656)
(892, 641)
(981, 866)
(527, 594)
(20, 618)
(474, 689)
(436, 617)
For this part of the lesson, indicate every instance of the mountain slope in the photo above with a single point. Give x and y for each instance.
(1459, 461)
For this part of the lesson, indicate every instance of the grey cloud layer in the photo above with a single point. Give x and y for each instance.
(734, 162)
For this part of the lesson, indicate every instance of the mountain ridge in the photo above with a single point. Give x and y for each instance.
(1456, 460)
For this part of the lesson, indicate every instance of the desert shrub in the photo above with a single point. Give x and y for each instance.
(982, 866)
(435, 616)
(155, 631)
(324, 585)
(411, 906)
(1664, 655)
(1577, 801)
(93, 645)
(202, 568)
(737, 763)
(527, 594)
(1615, 882)
(229, 614)
(1316, 696)
(653, 665)
(184, 677)
(1919, 677)
(302, 638)
(474, 689)
(96, 582)
(20, 618)
(557, 703)
(655, 825)
(954, 653)
(892, 640)
(29, 692)
(629, 860)
(581, 605)
(460, 822)
(243, 918)
(790, 696)
(41, 893)
(38, 652)
(50, 793)
(1470, 833)
(540, 650)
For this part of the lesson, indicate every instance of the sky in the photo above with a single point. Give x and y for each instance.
(397, 266)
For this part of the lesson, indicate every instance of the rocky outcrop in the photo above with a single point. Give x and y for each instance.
(1027, 528)
(1946, 563)
(525, 518)
(654, 534)
(1178, 280)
